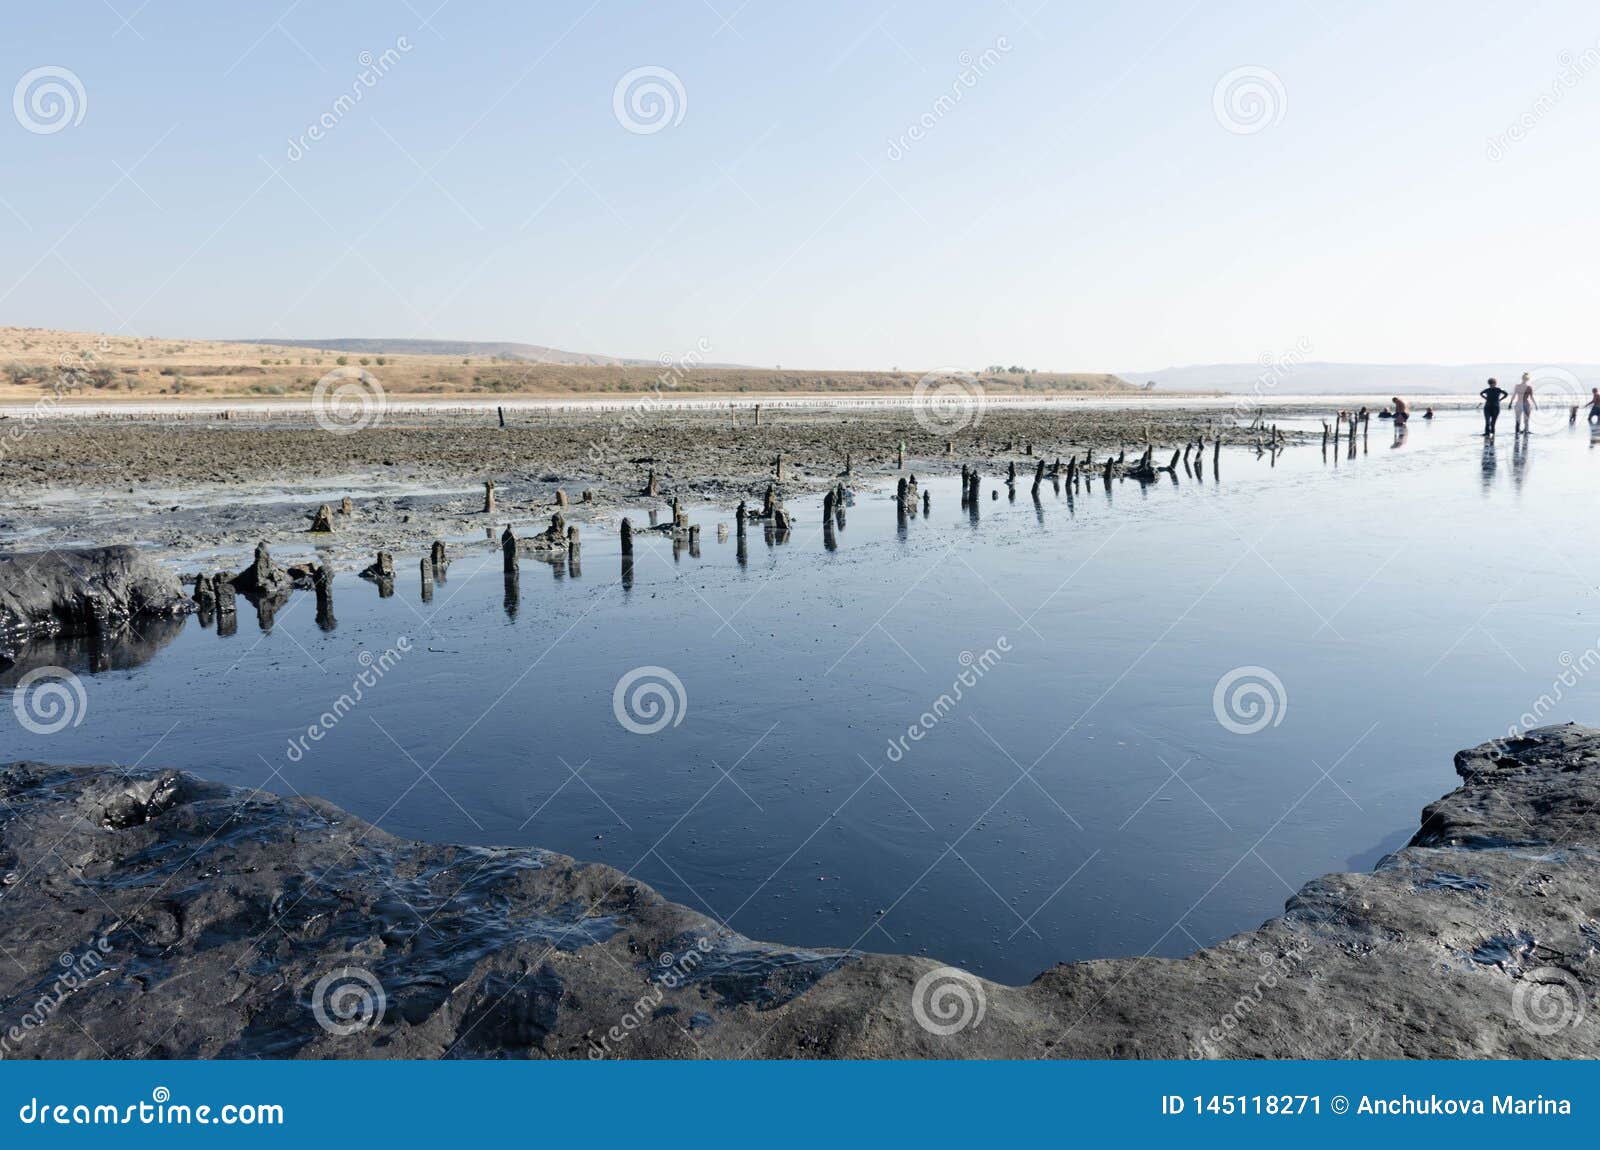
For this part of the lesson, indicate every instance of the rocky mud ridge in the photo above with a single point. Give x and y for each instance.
(151, 914)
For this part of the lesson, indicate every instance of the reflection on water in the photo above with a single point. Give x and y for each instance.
(833, 769)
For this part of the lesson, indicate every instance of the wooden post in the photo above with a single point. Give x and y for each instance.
(488, 497)
(508, 550)
(627, 537)
(650, 487)
(900, 456)
(561, 498)
(502, 412)
(427, 580)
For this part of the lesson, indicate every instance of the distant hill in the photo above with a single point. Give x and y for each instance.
(530, 352)
(1350, 378)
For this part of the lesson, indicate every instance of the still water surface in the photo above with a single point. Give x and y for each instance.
(1080, 798)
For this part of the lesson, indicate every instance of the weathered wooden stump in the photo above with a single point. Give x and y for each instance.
(488, 497)
(323, 519)
(561, 498)
(427, 580)
(347, 506)
(650, 486)
(627, 537)
(508, 550)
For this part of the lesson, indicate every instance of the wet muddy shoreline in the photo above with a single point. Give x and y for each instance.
(209, 921)
(203, 487)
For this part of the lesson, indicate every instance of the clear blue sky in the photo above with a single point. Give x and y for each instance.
(1081, 206)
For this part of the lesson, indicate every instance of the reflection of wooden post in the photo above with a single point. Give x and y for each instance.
(488, 497)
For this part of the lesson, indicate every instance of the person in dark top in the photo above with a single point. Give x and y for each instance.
(1402, 410)
(1491, 396)
(1594, 405)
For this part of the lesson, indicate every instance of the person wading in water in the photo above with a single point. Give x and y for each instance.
(1523, 405)
(1491, 395)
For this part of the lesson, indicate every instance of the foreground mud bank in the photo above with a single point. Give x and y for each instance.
(151, 914)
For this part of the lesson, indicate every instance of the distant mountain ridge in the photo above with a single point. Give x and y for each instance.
(1289, 378)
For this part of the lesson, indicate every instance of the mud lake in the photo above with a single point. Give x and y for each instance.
(1131, 721)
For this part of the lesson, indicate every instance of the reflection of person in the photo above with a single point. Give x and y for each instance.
(1523, 405)
(1401, 411)
(1594, 405)
(1491, 396)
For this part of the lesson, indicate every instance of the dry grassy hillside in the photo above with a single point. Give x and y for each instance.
(35, 361)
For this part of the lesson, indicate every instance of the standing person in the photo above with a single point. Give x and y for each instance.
(1401, 411)
(1491, 396)
(1523, 405)
(1594, 405)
